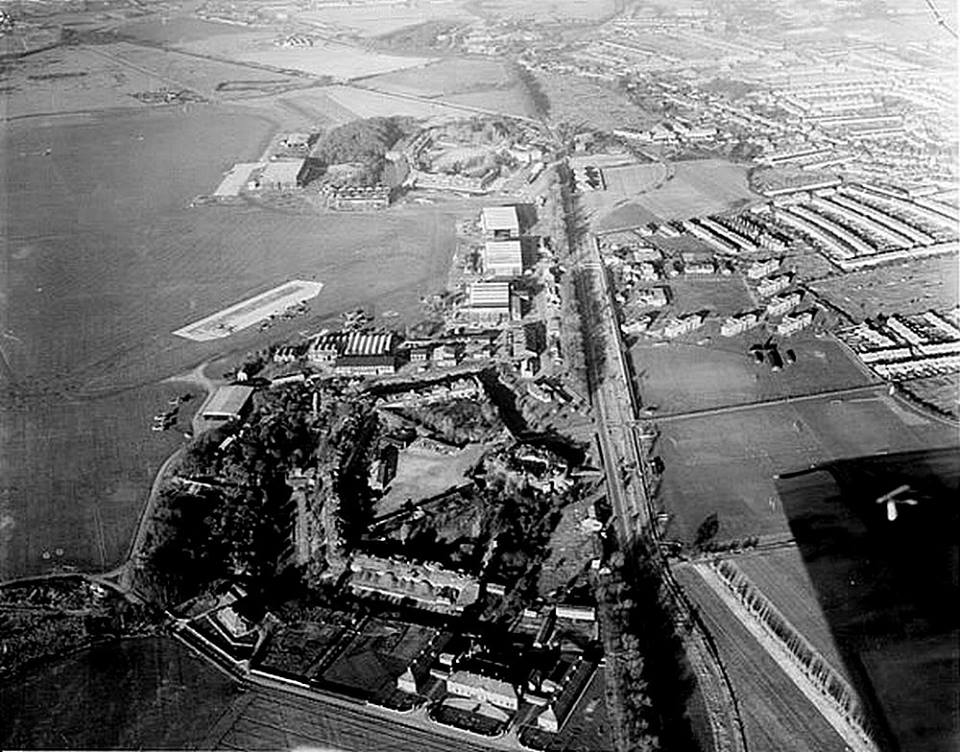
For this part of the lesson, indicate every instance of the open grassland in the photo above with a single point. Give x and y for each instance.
(777, 716)
(136, 694)
(210, 78)
(379, 20)
(446, 77)
(340, 104)
(323, 58)
(74, 475)
(176, 30)
(71, 79)
(580, 101)
(682, 376)
(939, 392)
(910, 287)
(511, 101)
(725, 463)
(592, 10)
(274, 720)
(781, 576)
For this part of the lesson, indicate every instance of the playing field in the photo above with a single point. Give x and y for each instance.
(726, 463)
(682, 376)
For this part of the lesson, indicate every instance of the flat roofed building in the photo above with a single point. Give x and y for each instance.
(503, 258)
(282, 175)
(500, 221)
(227, 403)
(489, 300)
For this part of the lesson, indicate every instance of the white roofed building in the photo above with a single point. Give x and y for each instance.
(489, 301)
(500, 222)
(502, 258)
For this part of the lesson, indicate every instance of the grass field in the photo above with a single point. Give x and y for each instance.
(378, 20)
(551, 9)
(75, 475)
(71, 79)
(782, 577)
(683, 376)
(777, 717)
(341, 104)
(341, 61)
(422, 473)
(690, 189)
(911, 287)
(453, 76)
(726, 463)
(137, 694)
(579, 100)
(888, 590)
(211, 78)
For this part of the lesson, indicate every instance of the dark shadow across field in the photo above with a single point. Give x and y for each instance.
(889, 589)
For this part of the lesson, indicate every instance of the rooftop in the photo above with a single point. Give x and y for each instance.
(228, 400)
(495, 218)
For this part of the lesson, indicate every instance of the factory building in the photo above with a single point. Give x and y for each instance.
(502, 258)
(227, 403)
(500, 222)
(489, 302)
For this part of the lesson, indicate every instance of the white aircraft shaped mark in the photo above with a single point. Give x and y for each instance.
(893, 498)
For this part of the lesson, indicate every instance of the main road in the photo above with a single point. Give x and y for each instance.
(627, 475)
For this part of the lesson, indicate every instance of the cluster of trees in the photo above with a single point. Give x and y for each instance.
(458, 421)
(239, 523)
(655, 683)
(817, 668)
(364, 141)
(538, 98)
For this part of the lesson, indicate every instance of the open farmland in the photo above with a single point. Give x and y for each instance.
(453, 76)
(211, 78)
(781, 576)
(422, 473)
(682, 376)
(551, 9)
(381, 20)
(885, 588)
(175, 30)
(342, 104)
(777, 716)
(335, 59)
(71, 79)
(726, 463)
(136, 694)
(910, 287)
